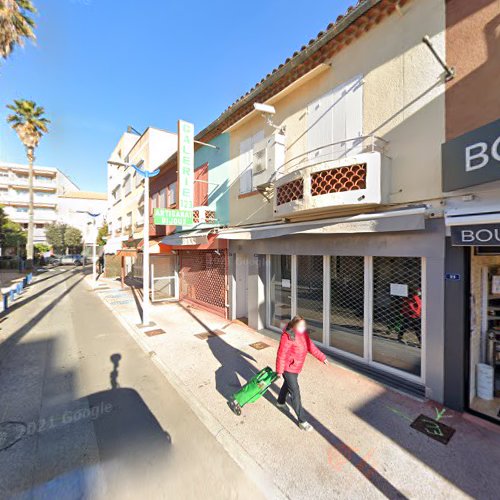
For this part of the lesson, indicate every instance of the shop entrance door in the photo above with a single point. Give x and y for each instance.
(164, 278)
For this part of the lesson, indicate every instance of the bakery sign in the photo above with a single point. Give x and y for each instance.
(476, 235)
(472, 158)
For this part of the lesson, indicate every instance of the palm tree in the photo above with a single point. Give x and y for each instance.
(16, 24)
(29, 122)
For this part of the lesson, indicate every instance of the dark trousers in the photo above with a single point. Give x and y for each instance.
(291, 385)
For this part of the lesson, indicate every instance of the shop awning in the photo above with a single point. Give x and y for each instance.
(411, 219)
(189, 238)
(466, 219)
(155, 246)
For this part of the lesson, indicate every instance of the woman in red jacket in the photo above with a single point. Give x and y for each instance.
(295, 343)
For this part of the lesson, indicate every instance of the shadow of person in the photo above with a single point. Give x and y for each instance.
(235, 365)
(113, 376)
(113, 429)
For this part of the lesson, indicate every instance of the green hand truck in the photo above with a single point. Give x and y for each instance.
(252, 390)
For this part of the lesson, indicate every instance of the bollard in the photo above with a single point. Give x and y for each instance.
(5, 301)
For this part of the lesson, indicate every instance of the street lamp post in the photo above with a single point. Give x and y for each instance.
(94, 245)
(145, 249)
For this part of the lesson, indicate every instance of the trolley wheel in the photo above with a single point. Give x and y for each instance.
(235, 407)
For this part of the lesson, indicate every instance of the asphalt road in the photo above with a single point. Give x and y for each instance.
(84, 413)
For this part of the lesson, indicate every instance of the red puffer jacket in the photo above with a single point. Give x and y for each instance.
(292, 353)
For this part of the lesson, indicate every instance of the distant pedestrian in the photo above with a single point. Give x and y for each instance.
(294, 345)
(101, 264)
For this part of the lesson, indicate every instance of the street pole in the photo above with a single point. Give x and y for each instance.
(29, 242)
(94, 255)
(145, 255)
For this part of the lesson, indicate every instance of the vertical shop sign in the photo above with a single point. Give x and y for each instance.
(185, 164)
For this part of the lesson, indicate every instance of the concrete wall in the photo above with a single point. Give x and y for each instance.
(403, 102)
(473, 48)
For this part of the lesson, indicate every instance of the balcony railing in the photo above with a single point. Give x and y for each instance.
(331, 152)
(357, 180)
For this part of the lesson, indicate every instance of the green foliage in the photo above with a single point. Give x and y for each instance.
(102, 233)
(73, 239)
(41, 248)
(62, 237)
(28, 121)
(13, 233)
(54, 233)
(16, 24)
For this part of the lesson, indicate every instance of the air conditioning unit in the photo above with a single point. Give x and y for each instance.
(268, 157)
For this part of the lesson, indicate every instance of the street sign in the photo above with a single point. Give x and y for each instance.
(167, 217)
(185, 164)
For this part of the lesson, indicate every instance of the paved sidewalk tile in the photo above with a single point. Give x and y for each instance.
(363, 445)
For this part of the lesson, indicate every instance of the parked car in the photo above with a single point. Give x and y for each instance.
(54, 260)
(71, 260)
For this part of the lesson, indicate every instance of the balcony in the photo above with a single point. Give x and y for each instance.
(352, 181)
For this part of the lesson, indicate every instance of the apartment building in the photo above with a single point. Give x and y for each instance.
(84, 210)
(48, 184)
(125, 214)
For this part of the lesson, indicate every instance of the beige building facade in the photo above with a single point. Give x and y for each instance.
(336, 206)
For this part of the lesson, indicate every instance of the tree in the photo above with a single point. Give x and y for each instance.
(13, 234)
(41, 247)
(16, 24)
(29, 122)
(63, 237)
(54, 233)
(73, 239)
(102, 234)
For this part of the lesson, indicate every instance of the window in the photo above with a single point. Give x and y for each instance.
(139, 179)
(110, 228)
(119, 225)
(172, 194)
(246, 160)
(127, 185)
(397, 312)
(334, 118)
(139, 216)
(117, 194)
(347, 282)
(22, 209)
(310, 293)
(369, 307)
(281, 290)
(128, 220)
(162, 198)
(201, 186)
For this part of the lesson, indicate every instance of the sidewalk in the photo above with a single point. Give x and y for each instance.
(362, 446)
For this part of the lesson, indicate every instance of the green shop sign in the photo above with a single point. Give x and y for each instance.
(166, 217)
(185, 164)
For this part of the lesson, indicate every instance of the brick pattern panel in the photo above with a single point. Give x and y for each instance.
(290, 191)
(337, 180)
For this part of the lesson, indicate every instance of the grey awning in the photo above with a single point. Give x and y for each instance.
(412, 219)
(187, 238)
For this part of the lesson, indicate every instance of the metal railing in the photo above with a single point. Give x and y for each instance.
(334, 151)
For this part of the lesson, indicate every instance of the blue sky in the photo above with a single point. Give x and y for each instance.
(100, 65)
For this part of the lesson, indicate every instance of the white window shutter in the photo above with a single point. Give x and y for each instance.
(354, 115)
(245, 166)
(319, 127)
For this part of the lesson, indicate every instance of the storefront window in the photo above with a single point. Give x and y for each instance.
(347, 304)
(397, 313)
(310, 293)
(280, 290)
(485, 335)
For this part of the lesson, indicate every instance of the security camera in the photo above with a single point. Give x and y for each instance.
(264, 108)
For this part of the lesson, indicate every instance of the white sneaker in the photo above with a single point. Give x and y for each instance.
(281, 406)
(306, 426)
